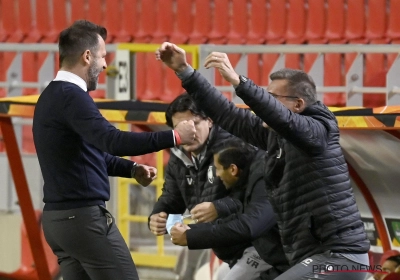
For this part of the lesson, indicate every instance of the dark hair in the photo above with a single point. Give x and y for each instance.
(182, 103)
(299, 84)
(235, 151)
(395, 259)
(82, 35)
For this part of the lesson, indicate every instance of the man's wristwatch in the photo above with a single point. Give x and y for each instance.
(133, 170)
(242, 79)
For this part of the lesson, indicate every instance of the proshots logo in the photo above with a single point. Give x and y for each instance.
(338, 268)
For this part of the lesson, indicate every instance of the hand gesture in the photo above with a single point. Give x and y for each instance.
(144, 174)
(221, 62)
(178, 234)
(158, 223)
(172, 56)
(187, 132)
(204, 212)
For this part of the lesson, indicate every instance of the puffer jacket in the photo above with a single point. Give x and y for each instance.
(306, 173)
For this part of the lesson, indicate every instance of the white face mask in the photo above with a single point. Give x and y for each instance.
(172, 220)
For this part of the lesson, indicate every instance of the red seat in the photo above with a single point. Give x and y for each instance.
(375, 76)
(237, 34)
(60, 22)
(220, 24)
(376, 20)
(335, 21)
(277, 19)
(183, 22)
(95, 17)
(315, 29)
(155, 80)
(10, 34)
(355, 20)
(315, 21)
(220, 30)
(254, 68)
(393, 30)
(11, 28)
(128, 17)
(112, 19)
(296, 22)
(8, 23)
(256, 35)
(257, 22)
(78, 10)
(31, 61)
(165, 21)
(267, 63)
(333, 76)
(296, 15)
(146, 27)
(99, 18)
(140, 71)
(201, 22)
(239, 23)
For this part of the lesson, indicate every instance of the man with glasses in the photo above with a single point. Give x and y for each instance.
(306, 174)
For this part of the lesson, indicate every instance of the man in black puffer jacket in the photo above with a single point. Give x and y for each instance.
(306, 173)
(240, 168)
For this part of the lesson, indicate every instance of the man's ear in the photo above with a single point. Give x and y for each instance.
(234, 170)
(210, 122)
(86, 56)
(300, 105)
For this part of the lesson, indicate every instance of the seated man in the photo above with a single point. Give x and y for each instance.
(240, 167)
(389, 266)
(190, 181)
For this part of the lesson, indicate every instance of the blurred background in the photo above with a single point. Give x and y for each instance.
(350, 47)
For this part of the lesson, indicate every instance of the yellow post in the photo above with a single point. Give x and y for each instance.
(123, 200)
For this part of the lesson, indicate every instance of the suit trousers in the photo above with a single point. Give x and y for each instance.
(88, 244)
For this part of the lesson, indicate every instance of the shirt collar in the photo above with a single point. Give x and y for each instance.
(72, 78)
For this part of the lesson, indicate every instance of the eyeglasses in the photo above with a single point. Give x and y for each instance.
(284, 96)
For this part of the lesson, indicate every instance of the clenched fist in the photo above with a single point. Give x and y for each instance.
(158, 223)
(186, 131)
(173, 56)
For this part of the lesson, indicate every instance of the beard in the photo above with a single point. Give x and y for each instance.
(93, 76)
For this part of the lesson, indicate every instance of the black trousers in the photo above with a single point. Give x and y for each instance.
(88, 244)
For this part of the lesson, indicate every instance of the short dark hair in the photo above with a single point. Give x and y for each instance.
(235, 151)
(80, 36)
(183, 103)
(395, 259)
(299, 84)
